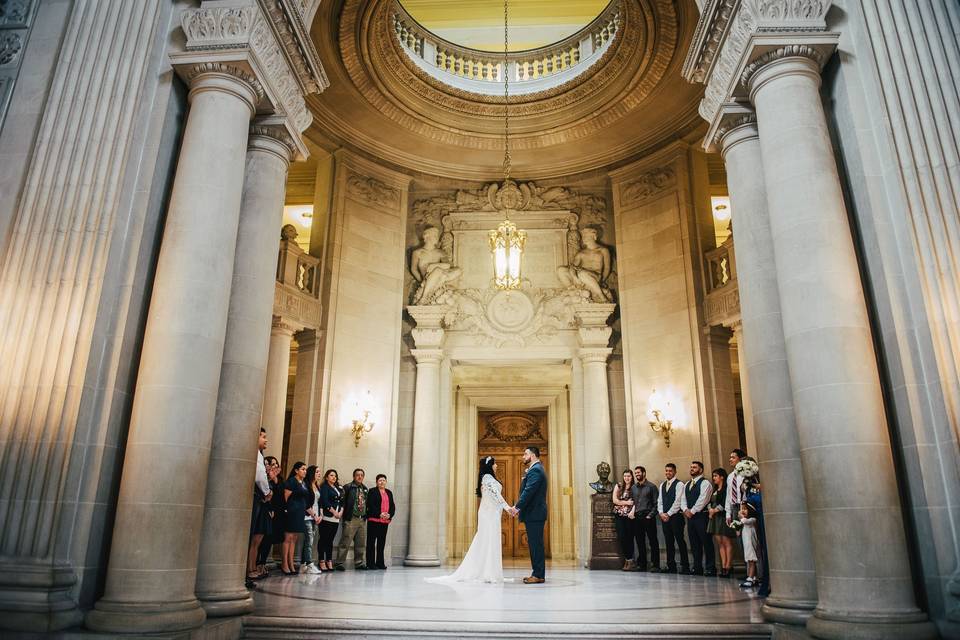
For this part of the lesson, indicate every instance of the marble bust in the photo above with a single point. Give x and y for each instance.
(431, 267)
(589, 268)
(603, 484)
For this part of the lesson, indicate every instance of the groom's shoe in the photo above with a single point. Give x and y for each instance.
(533, 580)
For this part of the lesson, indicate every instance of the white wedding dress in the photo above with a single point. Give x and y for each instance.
(484, 559)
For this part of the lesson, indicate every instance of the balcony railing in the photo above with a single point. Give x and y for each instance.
(297, 293)
(529, 71)
(722, 303)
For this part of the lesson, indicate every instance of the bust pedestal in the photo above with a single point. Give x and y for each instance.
(604, 546)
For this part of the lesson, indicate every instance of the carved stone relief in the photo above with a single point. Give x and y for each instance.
(646, 185)
(372, 191)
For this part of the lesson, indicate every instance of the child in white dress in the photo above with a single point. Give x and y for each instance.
(750, 545)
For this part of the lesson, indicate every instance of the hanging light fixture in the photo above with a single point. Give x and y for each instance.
(507, 242)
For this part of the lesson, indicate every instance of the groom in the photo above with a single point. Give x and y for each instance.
(532, 508)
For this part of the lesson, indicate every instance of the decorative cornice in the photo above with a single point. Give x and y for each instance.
(269, 40)
(790, 51)
(731, 34)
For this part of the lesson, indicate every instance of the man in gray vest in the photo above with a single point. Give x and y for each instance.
(670, 504)
(697, 497)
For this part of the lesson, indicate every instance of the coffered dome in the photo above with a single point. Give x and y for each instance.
(393, 94)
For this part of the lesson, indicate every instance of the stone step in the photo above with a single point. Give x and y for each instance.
(276, 628)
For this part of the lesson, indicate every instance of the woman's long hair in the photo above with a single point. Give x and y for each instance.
(295, 468)
(720, 471)
(622, 484)
(310, 479)
(486, 467)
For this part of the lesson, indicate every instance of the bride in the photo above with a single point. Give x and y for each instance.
(484, 559)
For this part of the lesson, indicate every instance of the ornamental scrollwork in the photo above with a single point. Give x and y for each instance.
(647, 184)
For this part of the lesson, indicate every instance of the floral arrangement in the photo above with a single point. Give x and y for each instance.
(747, 468)
(736, 525)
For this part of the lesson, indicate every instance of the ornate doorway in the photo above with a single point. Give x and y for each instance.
(504, 435)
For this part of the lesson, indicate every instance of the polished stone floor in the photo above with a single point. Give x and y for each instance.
(608, 603)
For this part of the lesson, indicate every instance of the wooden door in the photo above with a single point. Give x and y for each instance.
(505, 435)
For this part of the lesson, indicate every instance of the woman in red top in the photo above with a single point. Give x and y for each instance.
(380, 510)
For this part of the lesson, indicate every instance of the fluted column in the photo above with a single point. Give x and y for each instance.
(153, 556)
(275, 387)
(236, 427)
(763, 369)
(864, 583)
(422, 550)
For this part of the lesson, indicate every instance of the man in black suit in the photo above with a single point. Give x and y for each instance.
(531, 507)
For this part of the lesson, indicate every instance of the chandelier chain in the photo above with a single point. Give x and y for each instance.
(507, 160)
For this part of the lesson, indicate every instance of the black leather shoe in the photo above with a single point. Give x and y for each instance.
(361, 567)
(339, 567)
(381, 567)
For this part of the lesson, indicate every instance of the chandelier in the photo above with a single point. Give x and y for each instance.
(506, 241)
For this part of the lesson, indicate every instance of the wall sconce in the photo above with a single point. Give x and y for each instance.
(361, 425)
(662, 417)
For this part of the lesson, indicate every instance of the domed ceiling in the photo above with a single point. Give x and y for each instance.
(627, 102)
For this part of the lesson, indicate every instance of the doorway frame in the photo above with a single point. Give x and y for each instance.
(469, 400)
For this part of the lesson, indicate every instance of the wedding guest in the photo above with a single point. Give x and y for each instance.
(645, 520)
(670, 504)
(275, 511)
(624, 514)
(722, 533)
(260, 520)
(751, 544)
(697, 496)
(295, 495)
(331, 509)
(380, 511)
(310, 520)
(753, 497)
(734, 494)
(353, 526)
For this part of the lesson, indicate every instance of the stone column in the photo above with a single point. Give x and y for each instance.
(275, 389)
(763, 370)
(153, 556)
(425, 500)
(594, 335)
(863, 574)
(745, 401)
(226, 519)
(303, 441)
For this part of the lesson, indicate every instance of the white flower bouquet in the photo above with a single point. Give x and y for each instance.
(747, 468)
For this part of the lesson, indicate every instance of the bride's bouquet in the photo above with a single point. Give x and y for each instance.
(747, 468)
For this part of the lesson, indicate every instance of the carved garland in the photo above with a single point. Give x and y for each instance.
(647, 184)
(372, 191)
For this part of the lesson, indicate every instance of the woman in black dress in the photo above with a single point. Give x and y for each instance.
(297, 495)
(722, 534)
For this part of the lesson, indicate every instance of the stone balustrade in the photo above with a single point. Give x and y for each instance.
(529, 71)
(297, 294)
(722, 303)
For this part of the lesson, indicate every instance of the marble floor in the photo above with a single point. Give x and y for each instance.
(573, 603)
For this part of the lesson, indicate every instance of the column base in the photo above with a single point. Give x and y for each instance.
(414, 561)
(35, 596)
(222, 605)
(913, 626)
(142, 617)
(787, 611)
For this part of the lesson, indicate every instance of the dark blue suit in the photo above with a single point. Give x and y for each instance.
(532, 504)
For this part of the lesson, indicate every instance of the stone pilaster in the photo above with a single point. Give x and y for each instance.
(864, 582)
(68, 223)
(424, 535)
(226, 519)
(765, 380)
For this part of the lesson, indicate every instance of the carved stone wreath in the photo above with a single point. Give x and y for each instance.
(501, 318)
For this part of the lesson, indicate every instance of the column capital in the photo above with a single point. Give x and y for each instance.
(736, 123)
(429, 332)
(592, 328)
(273, 138)
(229, 78)
(593, 355)
(427, 356)
(281, 327)
(791, 60)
